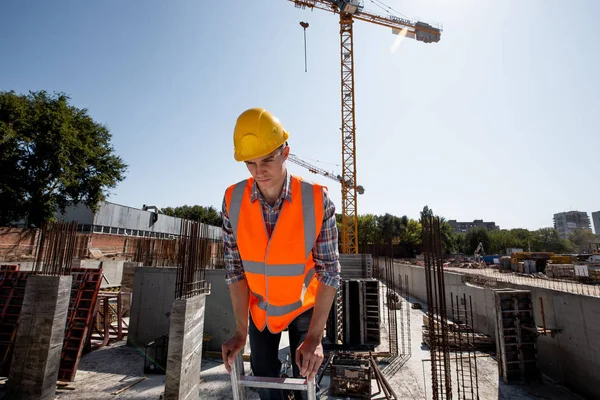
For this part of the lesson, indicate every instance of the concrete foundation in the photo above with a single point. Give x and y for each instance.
(219, 310)
(129, 269)
(39, 339)
(153, 295)
(571, 358)
(185, 349)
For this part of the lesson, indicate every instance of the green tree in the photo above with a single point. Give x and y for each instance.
(52, 155)
(446, 231)
(413, 234)
(522, 238)
(476, 236)
(368, 231)
(207, 215)
(460, 242)
(391, 227)
(448, 236)
(427, 212)
(547, 240)
(582, 238)
(502, 240)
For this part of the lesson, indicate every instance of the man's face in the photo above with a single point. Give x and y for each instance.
(269, 171)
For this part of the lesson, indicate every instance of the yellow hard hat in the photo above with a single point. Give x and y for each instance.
(257, 133)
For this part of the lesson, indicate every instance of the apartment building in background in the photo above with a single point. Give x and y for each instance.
(596, 219)
(567, 222)
(467, 226)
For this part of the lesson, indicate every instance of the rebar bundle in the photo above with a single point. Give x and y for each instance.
(152, 252)
(405, 319)
(463, 335)
(393, 302)
(193, 256)
(55, 248)
(441, 382)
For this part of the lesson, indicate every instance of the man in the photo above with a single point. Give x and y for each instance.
(281, 254)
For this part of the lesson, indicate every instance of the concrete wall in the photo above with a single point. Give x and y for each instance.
(153, 295)
(219, 321)
(572, 357)
(112, 270)
(482, 299)
(16, 242)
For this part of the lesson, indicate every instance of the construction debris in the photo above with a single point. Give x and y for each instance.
(350, 375)
(469, 265)
(457, 335)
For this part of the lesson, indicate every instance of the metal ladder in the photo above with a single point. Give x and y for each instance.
(239, 382)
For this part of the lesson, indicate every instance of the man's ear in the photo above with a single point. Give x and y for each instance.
(286, 152)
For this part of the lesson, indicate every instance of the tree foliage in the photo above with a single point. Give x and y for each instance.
(52, 155)
(582, 239)
(207, 215)
(496, 242)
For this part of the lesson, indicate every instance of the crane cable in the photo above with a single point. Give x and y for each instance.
(388, 9)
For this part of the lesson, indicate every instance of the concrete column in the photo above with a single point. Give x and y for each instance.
(127, 285)
(40, 336)
(185, 349)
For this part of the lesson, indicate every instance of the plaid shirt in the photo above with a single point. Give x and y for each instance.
(325, 250)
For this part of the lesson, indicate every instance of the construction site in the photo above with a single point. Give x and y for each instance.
(147, 322)
(127, 303)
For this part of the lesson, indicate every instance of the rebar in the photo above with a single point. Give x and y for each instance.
(193, 256)
(407, 307)
(392, 303)
(463, 336)
(56, 247)
(441, 378)
(153, 252)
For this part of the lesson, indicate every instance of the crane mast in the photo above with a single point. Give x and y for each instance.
(349, 10)
(349, 216)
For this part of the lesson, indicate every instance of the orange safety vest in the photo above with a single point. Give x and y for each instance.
(280, 270)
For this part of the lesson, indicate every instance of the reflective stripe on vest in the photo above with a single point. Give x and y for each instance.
(279, 270)
(279, 311)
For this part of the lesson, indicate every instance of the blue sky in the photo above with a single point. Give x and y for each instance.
(499, 120)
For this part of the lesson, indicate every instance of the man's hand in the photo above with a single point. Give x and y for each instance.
(309, 356)
(231, 348)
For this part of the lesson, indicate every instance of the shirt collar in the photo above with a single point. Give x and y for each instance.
(286, 194)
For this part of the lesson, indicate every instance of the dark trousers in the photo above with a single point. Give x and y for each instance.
(264, 357)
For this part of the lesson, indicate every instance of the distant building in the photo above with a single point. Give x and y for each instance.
(467, 226)
(115, 219)
(566, 222)
(596, 219)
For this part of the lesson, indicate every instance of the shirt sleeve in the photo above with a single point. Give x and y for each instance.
(325, 251)
(234, 270)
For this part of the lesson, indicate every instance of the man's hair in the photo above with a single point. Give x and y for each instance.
(282, 146)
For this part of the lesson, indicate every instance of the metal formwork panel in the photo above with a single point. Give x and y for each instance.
(516, 339)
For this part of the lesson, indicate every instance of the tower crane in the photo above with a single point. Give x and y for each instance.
(316, 170)
(350, 10)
